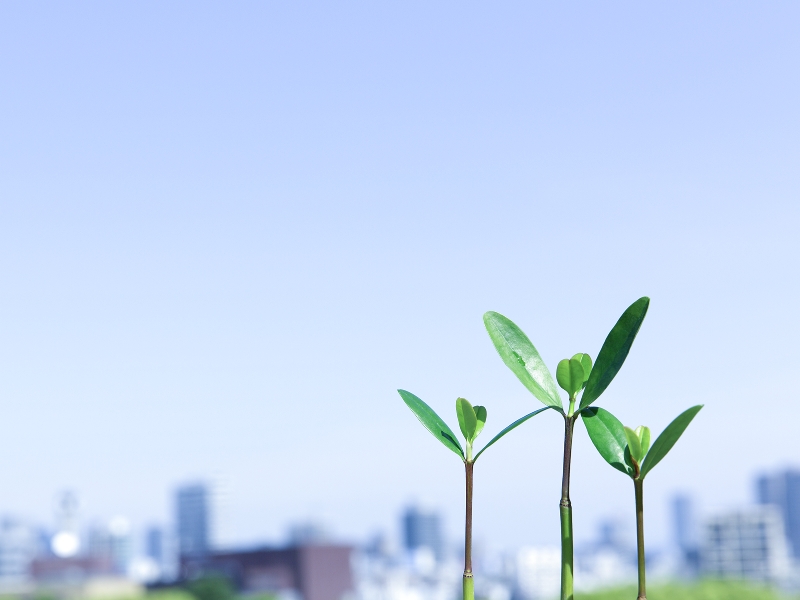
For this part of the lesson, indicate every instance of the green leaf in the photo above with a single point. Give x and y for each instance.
(586, 363)
(608, 436)
(668, 437)
(634, 445)
(614, 351)
(432, 422)
(514, 425)
(643, 433)
(569, 374)
(521, 357)
(467, 420)
(480, 414)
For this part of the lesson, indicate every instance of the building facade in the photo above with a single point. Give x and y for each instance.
(748, 544)
(316, 572)
(193, 512)
(783, 490)
(423, 529)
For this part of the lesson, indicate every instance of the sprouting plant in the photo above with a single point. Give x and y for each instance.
(471, 420)
(574, 375)
(629, 451)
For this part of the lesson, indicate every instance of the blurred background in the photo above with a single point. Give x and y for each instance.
(229, 232)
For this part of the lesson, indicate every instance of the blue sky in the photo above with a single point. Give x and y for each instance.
(229, 232)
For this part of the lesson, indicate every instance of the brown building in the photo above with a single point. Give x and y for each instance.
(318, 572)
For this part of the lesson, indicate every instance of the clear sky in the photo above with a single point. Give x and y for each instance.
(229, 231)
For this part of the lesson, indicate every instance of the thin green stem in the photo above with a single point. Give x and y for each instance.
(469, 584)
(638, 487)
(566, 515)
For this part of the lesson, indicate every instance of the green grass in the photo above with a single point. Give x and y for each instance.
(705, 590)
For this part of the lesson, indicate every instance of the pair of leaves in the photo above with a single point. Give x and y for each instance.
(573, 373)
(612, 440)
(471, 419)
(519, 355)
(436, 425)
(638, 442)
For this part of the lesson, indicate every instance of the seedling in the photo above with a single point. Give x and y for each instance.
(471, 420)
(574, 375)
(629, 451)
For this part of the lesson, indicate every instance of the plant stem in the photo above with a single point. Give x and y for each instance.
(566, 514)
(469, 584)
(638, 487)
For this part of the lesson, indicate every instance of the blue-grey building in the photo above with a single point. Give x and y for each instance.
(423, 529)
(782, 489)
(686, 533)
(193, 516)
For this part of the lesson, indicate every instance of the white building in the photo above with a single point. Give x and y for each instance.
(18, 546)
(539, 572)
(746, 544)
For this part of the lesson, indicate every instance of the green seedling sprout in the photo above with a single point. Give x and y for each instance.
(629, 451)
(576, 376)
(471, 420)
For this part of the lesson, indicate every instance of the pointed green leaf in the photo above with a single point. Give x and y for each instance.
(521, 357)
(634, 445)
(514, 425)
(668, 437)
(467, 420)
(614, 351)
(586, 363)
(432, 422)
(480, 414)
(643, 434)
(608, 436)
(569, 374)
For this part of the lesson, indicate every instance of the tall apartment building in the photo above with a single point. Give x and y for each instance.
(783, 490)
(193, 516)
(685, 532)
(423, 529)
(747, 544)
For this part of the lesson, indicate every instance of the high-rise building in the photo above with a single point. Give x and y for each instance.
(423, 529)
(748, 544)
(782, 489)
(193, 518)
(154, 544)
(685, 531)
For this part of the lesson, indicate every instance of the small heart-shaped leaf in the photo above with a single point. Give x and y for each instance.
(643, 433)
(634, 445)
(570, 375)
(467, 420)
(586, 363)
(480, 414)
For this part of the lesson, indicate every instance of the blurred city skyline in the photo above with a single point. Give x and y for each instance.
(229, 233)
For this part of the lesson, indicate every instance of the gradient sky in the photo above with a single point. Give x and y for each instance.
(228, 233)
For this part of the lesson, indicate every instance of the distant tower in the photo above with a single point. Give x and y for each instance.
(685, 531)
(193, 516)
(154, 544)
(66, 542)
(422, 529)
(783, 490)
